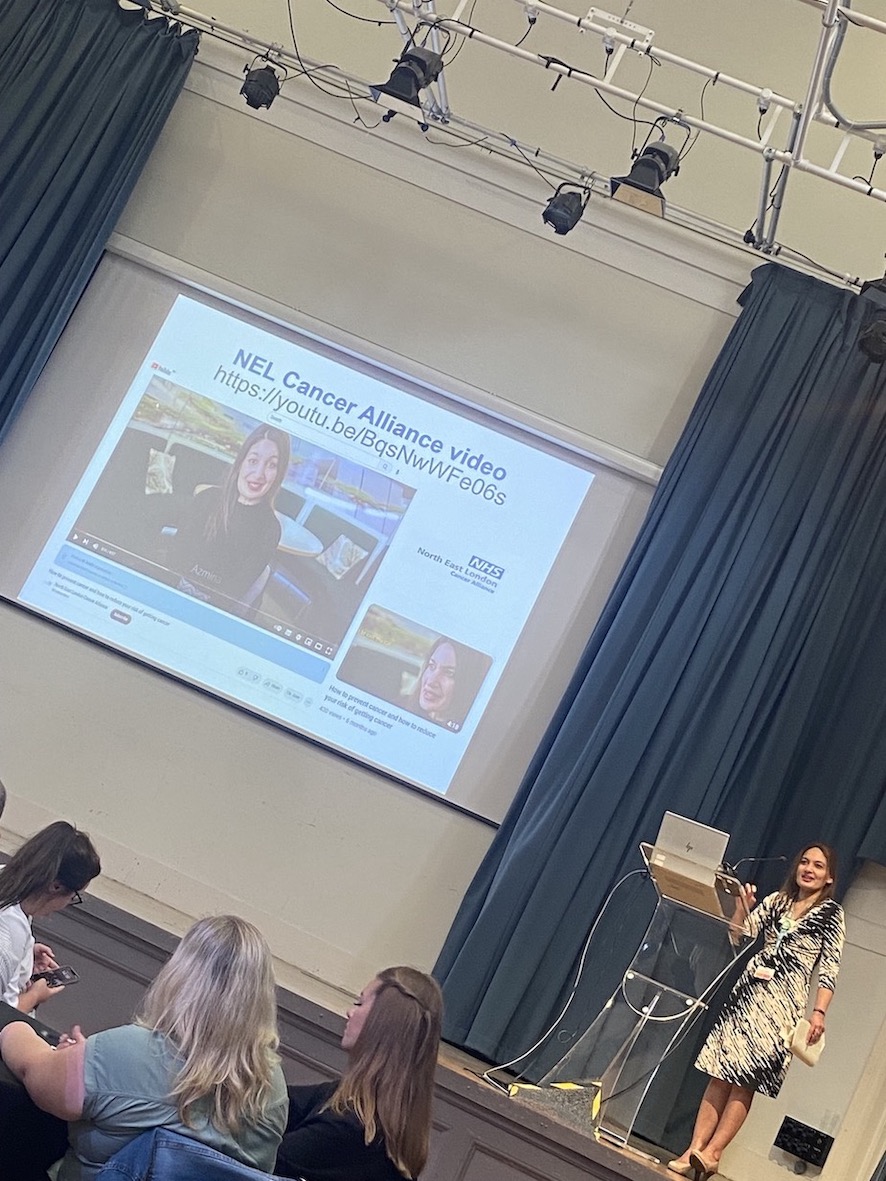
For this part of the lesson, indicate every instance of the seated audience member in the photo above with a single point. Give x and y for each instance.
(374, 1123)
(44, 876)
(200, 1060)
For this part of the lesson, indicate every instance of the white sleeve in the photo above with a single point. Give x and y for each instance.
(16, 954)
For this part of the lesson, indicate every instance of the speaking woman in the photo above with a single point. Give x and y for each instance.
(200, 1060)
(746, 1051)
(374, 1123)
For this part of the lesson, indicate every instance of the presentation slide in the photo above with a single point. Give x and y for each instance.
(327, 549)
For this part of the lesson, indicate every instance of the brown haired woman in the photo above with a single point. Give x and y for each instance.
(374, 1123)
(745, 1052)
(225, 545)
(44, 876)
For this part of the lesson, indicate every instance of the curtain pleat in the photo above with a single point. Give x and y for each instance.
(85, 88)
(736, 674)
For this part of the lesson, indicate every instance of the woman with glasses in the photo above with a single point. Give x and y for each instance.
(44, 876)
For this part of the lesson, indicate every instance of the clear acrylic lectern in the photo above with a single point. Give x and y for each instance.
(690, 943)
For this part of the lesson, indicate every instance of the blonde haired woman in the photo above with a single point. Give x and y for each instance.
(374, 1123)
(200, 1060)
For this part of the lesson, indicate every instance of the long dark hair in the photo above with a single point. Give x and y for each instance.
(389, 1082)
(470, 669)
(58, 853)
(219, 521)
(791, 890)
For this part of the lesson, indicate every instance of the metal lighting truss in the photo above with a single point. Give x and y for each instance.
(420, 19)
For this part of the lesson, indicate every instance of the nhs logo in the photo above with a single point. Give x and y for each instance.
(484, 567)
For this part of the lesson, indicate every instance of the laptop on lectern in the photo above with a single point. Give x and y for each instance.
(685, 859)
(705, 847)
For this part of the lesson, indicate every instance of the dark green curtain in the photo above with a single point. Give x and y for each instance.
(85, 88)
(736, 674)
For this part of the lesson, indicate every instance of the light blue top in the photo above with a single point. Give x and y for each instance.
(128, 1075)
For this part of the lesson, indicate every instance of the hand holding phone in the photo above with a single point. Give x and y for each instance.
(56, 977)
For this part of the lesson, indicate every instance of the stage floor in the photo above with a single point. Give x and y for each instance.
(510, 1123)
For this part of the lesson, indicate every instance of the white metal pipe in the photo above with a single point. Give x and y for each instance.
(435, 45)
(334, 75)
(781, 185)
(847, 182)
(858, 18)
(663, 55)
(840, 152)
(760, 231)
(589, 79)
(813, 90)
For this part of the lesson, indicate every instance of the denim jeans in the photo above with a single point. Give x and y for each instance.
(166, 1156)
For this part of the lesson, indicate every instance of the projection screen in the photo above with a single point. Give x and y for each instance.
(332, 546)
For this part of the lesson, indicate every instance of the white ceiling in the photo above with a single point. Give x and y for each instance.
(767, 43)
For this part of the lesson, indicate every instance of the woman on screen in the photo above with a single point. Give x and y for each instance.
(200, 1060)
(224, 549)
(375, 1121)
(44, 876)
(448, 682)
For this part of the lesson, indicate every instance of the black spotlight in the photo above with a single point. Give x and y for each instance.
(565, 208)
(417, 68)
(261, 87)
(641, 187)
(872, 340)
(872, 337)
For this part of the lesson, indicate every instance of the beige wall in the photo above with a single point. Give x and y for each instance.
(200, 806)
(197, 806)
(603, 337)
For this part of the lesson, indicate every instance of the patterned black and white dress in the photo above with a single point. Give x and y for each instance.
(747, 1044)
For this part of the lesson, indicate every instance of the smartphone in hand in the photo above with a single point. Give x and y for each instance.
(57, 976)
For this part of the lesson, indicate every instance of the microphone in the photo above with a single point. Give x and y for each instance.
(754, 861)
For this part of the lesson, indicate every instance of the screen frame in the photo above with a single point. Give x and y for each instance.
(477, 409)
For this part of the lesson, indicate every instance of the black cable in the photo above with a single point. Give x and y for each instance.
(869, 180)
(530, 26)
(353, 15)
(653, 62)
(632, 118)
(581, 963)
(513, 144)
(461, 43)
(712, 81)
(443, 143)
(306, 70)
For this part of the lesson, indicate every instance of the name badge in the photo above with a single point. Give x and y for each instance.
(763, 973)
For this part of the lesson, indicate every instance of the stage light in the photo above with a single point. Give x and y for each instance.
(872, 337)
(565, 208)
(261, 87)
(872, 340)
(417, 68)
(641, 187)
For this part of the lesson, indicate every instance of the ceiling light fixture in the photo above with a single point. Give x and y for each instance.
(641, 188)
(564, 209)
(417, 68)
(262, 84)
